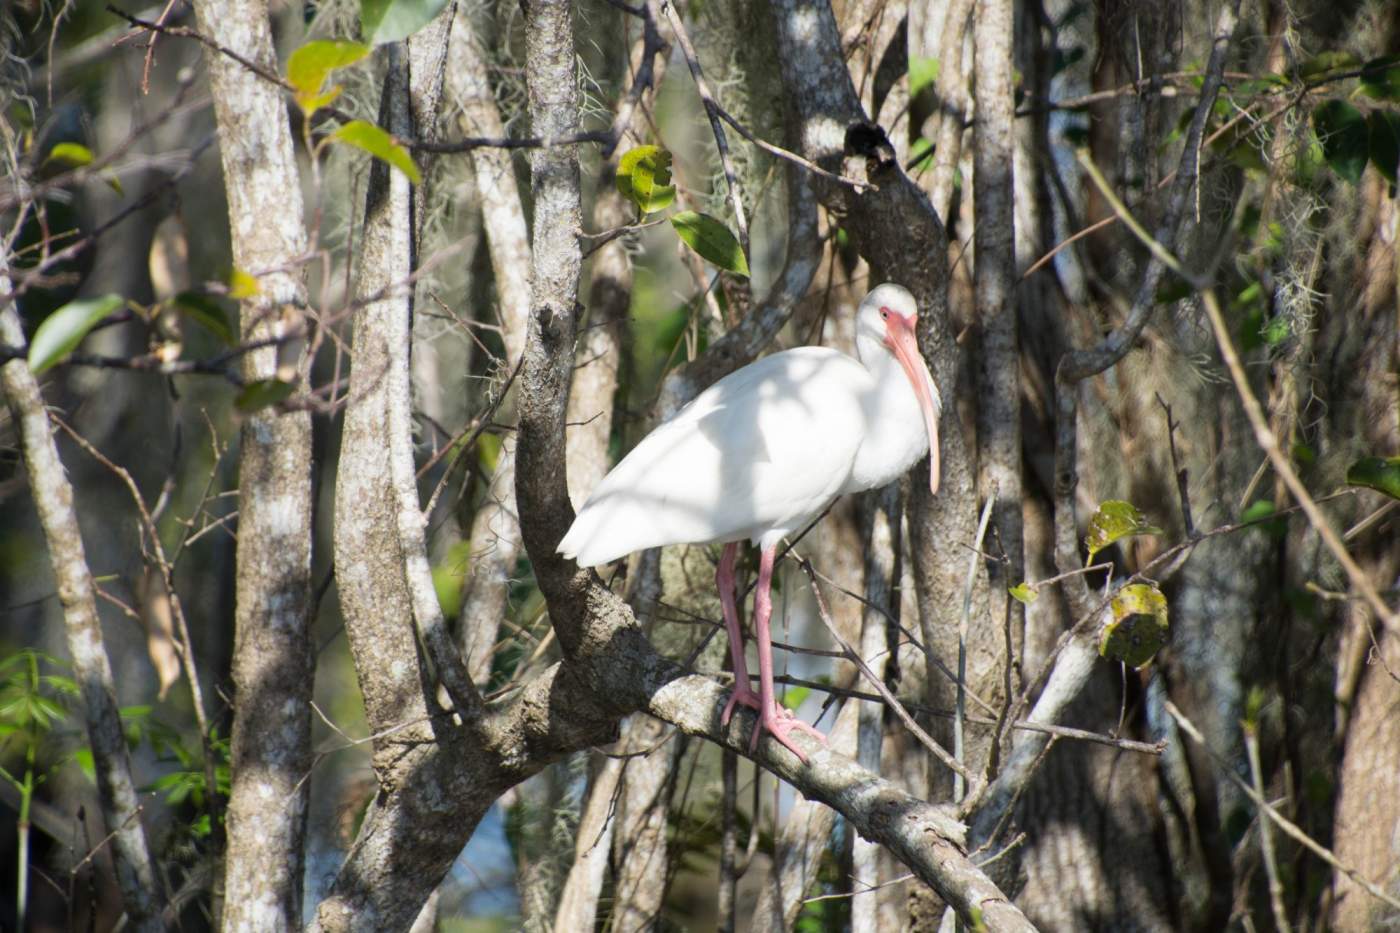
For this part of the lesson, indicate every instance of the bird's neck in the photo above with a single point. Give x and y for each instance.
(895, 436)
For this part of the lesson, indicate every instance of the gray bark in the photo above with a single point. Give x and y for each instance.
(82, 629)
(578, 903)
(495, 531)
(999, 360)
(639, 846)
(273, 667)
(880, 524)
(804, 840)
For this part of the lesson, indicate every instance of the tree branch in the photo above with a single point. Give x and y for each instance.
(273, 665)
(53, 500)
(1067, 669)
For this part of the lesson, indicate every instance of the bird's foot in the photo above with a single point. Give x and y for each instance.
(744, 694)
(780, 722)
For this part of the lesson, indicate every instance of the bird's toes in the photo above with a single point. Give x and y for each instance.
(780, 723)
(746, 697)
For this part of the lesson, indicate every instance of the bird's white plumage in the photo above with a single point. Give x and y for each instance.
(763, 451)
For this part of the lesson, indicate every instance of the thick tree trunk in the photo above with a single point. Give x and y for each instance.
(273, 666)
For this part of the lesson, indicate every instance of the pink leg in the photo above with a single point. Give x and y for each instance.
(777, 720)
(724, 579)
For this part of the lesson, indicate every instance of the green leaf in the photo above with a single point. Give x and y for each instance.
(309, 66)
(1138, 628)
(262, 393)
(82, 757)
(795, 697)
(922, 73)
(1324, 62)
(72, 154)
(1384, 126)
(1380, 78)
(381, 145)
(644, 178)
(1257, 510)
(488, 451)
(1277, 330)
(1379, 473)
(390, 20)
(1260, 510)
(1115, 519)
(63, 330)
(712, 240)
(206, 312)
(919, 152)
(1025, 593)
(1341, 129)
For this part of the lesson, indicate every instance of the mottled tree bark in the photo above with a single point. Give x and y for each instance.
(495, 531)
(273, 667)
(999, 356)
(82, 629)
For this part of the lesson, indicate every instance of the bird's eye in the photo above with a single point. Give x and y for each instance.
(884, 314)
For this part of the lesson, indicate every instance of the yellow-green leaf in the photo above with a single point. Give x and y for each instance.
(712, 240)
(1024, 592)
(72, 154)
(390, 20)
(381, 145)
(61, 332)
(644, 178)
(1115, 519)
(1138, 627)
(488, 451)
(922, 73)
(261, 393)
(795, 697)
(242, 285)
(1379, 473)
(309, 66)
(450, 576)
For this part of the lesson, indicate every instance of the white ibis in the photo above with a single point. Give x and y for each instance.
(761, 454)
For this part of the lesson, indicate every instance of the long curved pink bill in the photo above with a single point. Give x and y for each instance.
(906, 349)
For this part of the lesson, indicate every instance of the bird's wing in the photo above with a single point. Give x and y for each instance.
(762, 449)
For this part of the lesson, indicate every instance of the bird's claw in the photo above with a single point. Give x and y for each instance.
(742, 695)
(780, 723)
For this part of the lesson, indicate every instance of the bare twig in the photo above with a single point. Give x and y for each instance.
(1290, 829)
(736, 200)
(1178, 471)
(1266, 837)
(167, 572)
(1023, 725)
(928, 741)
(779, 152)
(53, 500)
(1266, 439)
(961, 702)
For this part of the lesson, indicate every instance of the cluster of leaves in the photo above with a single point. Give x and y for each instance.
(1350, 139)
(644, 178)
(36, 701)
(186, 781)
(1346, 138)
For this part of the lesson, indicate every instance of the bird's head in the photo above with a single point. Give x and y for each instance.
(886, 317)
